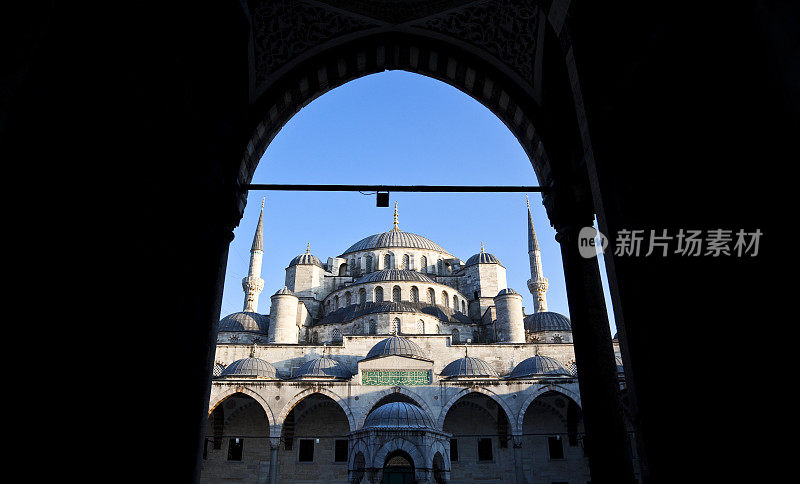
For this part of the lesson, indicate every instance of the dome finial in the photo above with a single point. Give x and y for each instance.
(262, 202)
(253, 351)
(308, 248)
(465, 350)
(395, 216)
(528, 202)
(481, 247)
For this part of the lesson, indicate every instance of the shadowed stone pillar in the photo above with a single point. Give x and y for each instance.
(274, 444)
(518, 469)
(609, 460)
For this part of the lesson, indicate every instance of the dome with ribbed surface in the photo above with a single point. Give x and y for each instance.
(468, 367)
(547, 321)
(395, 275)
(306, 259)
(245, 321)
(284, 291)
(507, 291)
(398, 415)
(249, 368)
(482, 258)
(396, 345)
(538, 366)
(324, 367)
(394, 238)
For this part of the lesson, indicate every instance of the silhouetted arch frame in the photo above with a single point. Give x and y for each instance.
(468, 69)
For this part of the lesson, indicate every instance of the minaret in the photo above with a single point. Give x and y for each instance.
(537, 284)
(253, 283)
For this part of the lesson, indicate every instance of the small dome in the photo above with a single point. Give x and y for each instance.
(394, 238)
(547, 321)
(398, 415)
(538, 366)
(468, 367)
(324, 367)
(395, 275)
(285, 290)
(396, 345)
(249, 368)
(507, 291)
(245, 321)
(306, 260)
(482, 258)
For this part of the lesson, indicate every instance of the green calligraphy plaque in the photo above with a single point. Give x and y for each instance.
(396, 377)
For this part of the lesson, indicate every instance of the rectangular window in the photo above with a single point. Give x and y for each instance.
(555, 447)
(235, 449)
(484, 449)
(453, 450)
(340, 451)
(306, 453)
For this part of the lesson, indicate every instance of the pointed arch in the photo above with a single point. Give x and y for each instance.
(401, 444)
(219, 396)
(538, 392)
(512, 422)
(291, 403)
(377, 396)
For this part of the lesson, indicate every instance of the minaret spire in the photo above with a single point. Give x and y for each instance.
(396, 227)
(537, 284)
(253, 283)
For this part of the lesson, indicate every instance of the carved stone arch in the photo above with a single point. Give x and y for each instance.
(290, 404)
(399, 443)
(480, 76)
(218, 397)
(377, 396)
(515, 429)
(439, 447)
(574, 396)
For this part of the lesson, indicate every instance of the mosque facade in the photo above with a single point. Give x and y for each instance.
(395, 362)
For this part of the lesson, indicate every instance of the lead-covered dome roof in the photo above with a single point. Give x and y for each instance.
(306, 259)
(468, 367)
(398, 415)
(539, 366)
(249, 368)
(394, 275)
(547, 321)
(394, 238)
(397, 346)
(482, 258)
(324, 367)
(245, 321)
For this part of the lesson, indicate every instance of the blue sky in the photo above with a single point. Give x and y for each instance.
(395, 128)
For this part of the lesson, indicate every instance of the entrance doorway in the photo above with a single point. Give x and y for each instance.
(398, 469)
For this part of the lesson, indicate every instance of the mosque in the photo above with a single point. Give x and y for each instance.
(395, 362)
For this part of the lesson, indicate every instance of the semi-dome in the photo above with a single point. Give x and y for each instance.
(482, 258)
(468, 367)
(538, 366)
(324, 367)
(394, 238)
(245, 321)
(397, 346)
(547, 321)
(398, 415)
(306, 259)
(249, 368)
(395, 275)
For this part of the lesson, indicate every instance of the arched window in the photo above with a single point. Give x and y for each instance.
(455, 338)
(354, 267)
(395, 326)
(343, 270)
(362, 296)
(405, 262)
(414, 294)
(474, 336)
(336, 337)
(369, 263)
(396, 294)
(445, 299)
(463, 307)
(455, 302)
(439, 269)
(379, 294)
(431, 296)
(347, 299)
(423, 264)
(335, 303)
(420, 327)
(373, 327)
(387, 262)
(358, 328)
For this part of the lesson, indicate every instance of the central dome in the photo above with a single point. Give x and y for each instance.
(398, 415)
(394, 238)
(395, 275)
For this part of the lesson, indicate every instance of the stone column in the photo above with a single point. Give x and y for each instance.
(609, 460)
(518, 467)
(274, 445)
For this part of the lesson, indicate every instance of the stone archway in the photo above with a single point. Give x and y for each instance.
(291, 403)
(376, 397)
(493, 396)
(567, 393)
(219, 396)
